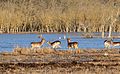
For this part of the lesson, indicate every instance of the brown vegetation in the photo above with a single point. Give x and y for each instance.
(50, 61)
(27, 51)
(59, 15)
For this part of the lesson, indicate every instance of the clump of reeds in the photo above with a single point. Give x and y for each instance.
(33, 51)
(17, 51)
(44, 51)
(112, 50)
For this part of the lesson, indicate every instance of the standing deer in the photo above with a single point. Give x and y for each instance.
(38, 44)
(107, 43)
(72, 44)
(54, 44)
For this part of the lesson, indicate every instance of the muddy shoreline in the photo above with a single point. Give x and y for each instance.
(50, 61)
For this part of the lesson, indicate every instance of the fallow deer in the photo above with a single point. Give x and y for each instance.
(107, 43)
(55, 44)
(72, 44)
(115, 43)
(38, 44)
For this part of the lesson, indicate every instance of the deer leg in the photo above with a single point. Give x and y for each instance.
(59, 46)
(41, 46)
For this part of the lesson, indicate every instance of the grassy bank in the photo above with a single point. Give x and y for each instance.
(50, 61)
(59, 15)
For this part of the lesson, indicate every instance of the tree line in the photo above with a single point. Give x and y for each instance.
(59, 16)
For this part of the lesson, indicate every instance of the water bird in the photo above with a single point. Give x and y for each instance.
(60, 38)
(64, 37)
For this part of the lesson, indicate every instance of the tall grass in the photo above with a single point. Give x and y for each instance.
(58, 15)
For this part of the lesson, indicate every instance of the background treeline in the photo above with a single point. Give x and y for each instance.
(59, 15)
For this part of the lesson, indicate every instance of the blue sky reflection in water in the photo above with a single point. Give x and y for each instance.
(10, 41)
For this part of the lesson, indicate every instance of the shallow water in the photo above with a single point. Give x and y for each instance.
(10, 41)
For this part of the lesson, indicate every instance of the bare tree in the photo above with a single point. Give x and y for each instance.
(113, 19)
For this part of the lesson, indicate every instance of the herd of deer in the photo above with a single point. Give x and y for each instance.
(56, 44)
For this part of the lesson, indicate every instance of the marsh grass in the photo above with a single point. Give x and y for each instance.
(51, 61)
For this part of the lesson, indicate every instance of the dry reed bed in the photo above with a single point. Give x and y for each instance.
(50, 61)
